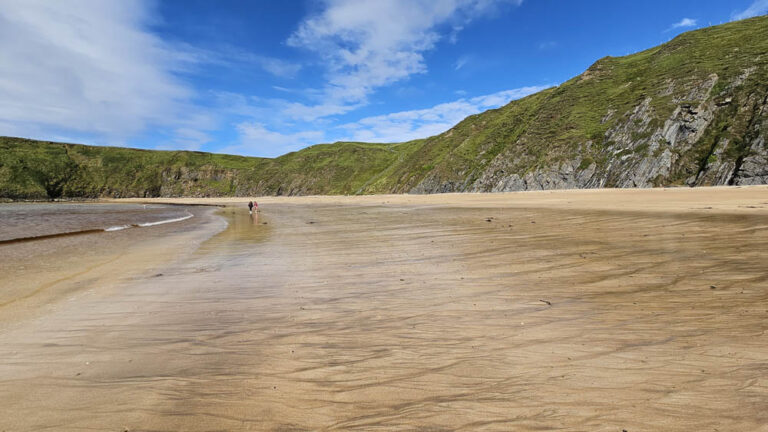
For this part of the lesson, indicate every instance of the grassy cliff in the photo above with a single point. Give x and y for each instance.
(693, 111)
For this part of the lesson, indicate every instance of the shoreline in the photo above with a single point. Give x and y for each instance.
(707, 200)
(35, 281)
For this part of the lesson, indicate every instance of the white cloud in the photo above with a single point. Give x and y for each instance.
(453, 36)
(237, 58)
(547, 45)
(91, 70)
(278, 67)
(408, 125)
(463, 60)
(685, 22)
(367, 44)
(308, 113)
(187, 139)
(86, 67)
(255, 139)
(757, 8)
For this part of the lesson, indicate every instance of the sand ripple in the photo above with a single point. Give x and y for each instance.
(403, 318)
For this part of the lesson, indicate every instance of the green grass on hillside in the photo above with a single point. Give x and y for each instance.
(564, 123)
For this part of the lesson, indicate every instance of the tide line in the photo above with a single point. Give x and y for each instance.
(92, 231)
(146, 224)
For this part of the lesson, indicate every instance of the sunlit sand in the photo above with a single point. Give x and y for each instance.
(573, 310)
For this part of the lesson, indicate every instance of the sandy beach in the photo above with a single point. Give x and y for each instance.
(598, 310)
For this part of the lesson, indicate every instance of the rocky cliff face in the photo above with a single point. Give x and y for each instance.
(646, 150)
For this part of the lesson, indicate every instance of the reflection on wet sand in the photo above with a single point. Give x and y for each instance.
(38, 273)
(313, 317)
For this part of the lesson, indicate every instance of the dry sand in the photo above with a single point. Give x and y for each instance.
(639, 310)
(704, 200)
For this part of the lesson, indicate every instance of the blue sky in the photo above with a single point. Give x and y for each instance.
(263, 78)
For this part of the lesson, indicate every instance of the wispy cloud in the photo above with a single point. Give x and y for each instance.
(757, 8)
(367, 44)
(546, 45)
(256, 139)
(683, 23)
(93, 71)
(191, 56)
(460, 62)
(408, 125)
(278, 67)
(86, 67)
(187, 138)
(233, 57)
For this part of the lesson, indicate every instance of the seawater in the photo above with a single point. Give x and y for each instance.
(27, 221)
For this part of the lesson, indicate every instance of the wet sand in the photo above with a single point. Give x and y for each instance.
(600, 311)
(38, 274)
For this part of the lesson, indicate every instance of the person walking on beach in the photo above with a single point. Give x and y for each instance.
(250, 207)
(256, 206)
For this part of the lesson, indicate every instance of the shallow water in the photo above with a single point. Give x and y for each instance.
(409, 318)
(29, 220)
(56, 250)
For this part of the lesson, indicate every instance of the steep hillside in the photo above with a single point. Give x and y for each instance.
(693, 111)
